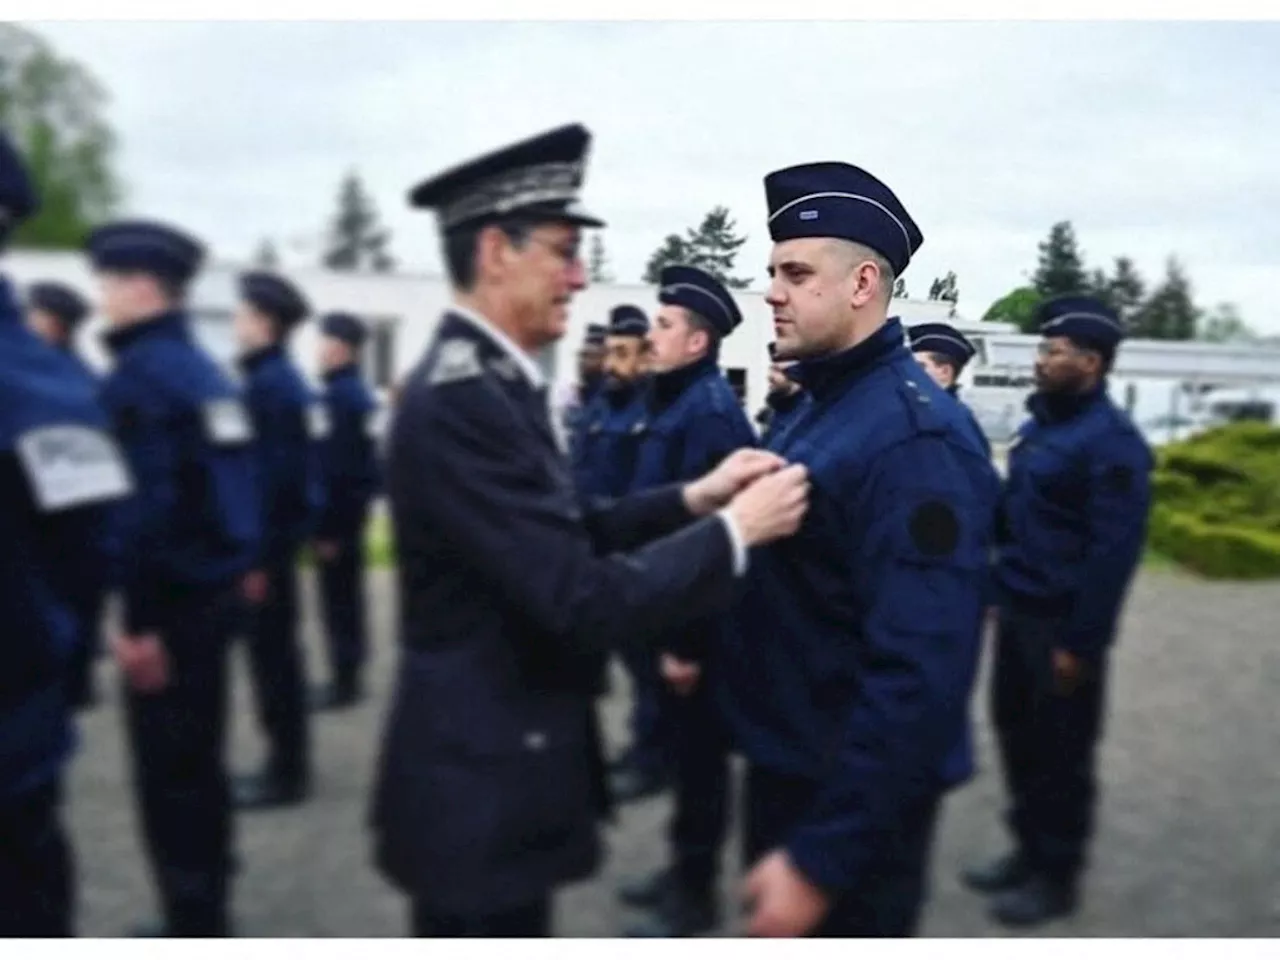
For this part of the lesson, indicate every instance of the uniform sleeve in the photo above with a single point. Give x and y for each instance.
(518, 525)
(346, 487)
(632, 521)
(1118, 500)
(917, 541)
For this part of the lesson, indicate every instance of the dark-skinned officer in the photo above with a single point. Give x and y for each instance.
(847, 668)
(55, 312)
(1072, 526)
(187, 540)
(491, 777)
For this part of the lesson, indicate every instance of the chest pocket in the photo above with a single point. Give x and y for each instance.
(1052, 471)
(72, 466)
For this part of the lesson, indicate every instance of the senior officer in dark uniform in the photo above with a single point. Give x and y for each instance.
(943, 351)
(491, 777)
(352, 479)
(1071, 533)
(694, 421)
(289, 422)
(783, 398)
(848, 666)
(60, 471)
(54, 312)
(188, 539)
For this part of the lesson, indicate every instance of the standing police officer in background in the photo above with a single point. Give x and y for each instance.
(287, 421)
(351, 481)
(491, 776)
(586, 397)
(943, 351)
(60, 471)
(694, 422)
(851, 655)
(54, 312)
(1073, 524)
(187, 540)
(784, 398)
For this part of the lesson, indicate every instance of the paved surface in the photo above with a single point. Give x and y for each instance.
(1190, 820)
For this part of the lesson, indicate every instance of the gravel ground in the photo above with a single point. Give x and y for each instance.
(1190, 818)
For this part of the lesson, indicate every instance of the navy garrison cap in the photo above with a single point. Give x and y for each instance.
(60, 300)
(596, 333)
(702, 293)
(626, 320)
(145, 246)
(274, 296)
(842, 201)
(537, 179)
(345, 327)
(1085, 321)
(18, 198)
(941, 338)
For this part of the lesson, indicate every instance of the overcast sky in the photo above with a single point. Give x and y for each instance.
(1152, 138)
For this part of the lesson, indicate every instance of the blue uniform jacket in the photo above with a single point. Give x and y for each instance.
(60, 473)
(289, 422)
(349, 454)
(1074, 515)
(612, 427)
(694, 422)
(781, 408)
(511, 592)
(196, 519)
(851, 655)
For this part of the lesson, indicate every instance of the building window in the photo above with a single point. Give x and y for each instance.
(737, 377)
(378, 362)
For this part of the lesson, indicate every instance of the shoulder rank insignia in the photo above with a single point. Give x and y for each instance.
(456, 360)
(505, 367)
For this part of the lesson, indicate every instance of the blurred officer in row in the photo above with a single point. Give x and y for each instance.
(848, 670)
(694, 422)
(288, 423)
(585, 394)
(54, 312)
(352, 479)
(610, 425)
(491, 777)
(60, 471)
(187, 540)
(783, 399)
(1071, 533)
(943, 351)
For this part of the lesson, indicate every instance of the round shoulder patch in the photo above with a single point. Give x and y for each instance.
(934, 528)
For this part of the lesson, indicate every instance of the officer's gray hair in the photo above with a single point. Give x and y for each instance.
(857, 253)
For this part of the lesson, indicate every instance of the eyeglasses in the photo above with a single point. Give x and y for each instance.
(570, 253)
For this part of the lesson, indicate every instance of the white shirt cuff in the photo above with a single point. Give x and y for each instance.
(736, 542)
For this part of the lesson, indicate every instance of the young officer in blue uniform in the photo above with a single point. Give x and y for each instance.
(783, 398)
(848, 668)
(60, 471)
(610, 425)
(289, 422)
(491, 777)
(943, 351)
(188, 539)
(54, 312)
(351, 481)
(1071, 533)
(694, 421)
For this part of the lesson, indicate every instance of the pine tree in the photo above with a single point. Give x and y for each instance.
(598, 261)
(1125, 289)
(1169, 313)
(712, 247)
(1061, 267)
(356, 240)
(267, 258)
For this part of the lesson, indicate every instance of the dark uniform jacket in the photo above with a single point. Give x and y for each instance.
(490, 780)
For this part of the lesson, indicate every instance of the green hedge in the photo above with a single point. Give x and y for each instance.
(1217, 502)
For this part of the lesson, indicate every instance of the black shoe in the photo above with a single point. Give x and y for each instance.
(646, 891)
(632, 784)
(1004, 873)
(266, 790)
(680, 913)
(1037, 901)
(336, 696)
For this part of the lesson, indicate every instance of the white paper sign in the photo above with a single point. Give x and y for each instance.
(72, 466)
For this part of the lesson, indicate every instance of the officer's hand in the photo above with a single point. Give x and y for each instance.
(740, 469)
(1068, 669)
(772, 507)
(681, 675)
(783, 903)
(327, 550)
(144, 661)
(254, 586)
